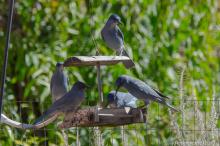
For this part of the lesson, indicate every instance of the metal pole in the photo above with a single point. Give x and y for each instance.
(77, 136)
(98, 132)
(9, 23)
(122, 135)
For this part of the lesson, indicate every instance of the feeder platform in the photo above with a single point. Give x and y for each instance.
(91, 117)
(94, 60)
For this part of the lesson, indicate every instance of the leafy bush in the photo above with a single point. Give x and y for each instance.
(162, 36)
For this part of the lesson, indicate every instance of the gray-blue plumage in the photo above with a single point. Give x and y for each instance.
(141, 90)
(58, 84)
(114, 38)
(122, 99)
(69, 102)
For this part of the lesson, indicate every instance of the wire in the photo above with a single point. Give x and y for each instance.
(9, 24)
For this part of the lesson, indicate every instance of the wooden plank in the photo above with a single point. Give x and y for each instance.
(93, 60)
(107, 117)
(99, 81)
(114, 115)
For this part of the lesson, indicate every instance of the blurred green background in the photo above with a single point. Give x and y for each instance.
(175, 45)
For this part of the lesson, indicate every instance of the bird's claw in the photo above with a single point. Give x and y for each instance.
(114, 56)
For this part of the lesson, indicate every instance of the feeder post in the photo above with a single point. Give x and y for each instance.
(99, 84)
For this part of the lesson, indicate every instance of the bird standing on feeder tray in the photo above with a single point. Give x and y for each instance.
(69, 102)
(58, 84)
(122, 99)
(114, 38)
(141, 90)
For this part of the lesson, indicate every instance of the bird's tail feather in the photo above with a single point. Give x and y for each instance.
(40, 119)
(43, 117)
(164, 102)
(158, 92)
(130, 63)
(172, 108)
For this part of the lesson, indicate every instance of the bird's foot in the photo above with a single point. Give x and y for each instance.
(97, 53)
(141, 116)
(121, 52)
(114, 56)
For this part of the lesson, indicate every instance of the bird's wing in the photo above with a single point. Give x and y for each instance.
(47, 114)
(102, 35)
(124, 99)
(144, 89)
(51, 83)
(43, 117)
(120, 34)
(147, 90)
(56, 107)
(66, 82)
(129, 97)
(162, 95)
(59, 104)
(132, 104)
(63, 101)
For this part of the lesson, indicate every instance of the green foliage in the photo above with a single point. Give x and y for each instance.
(163, 36)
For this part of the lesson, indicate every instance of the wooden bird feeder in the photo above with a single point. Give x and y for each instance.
(94, 60)
(84, 117)
(98, 116)
(92, 116)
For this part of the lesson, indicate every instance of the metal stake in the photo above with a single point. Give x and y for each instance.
(9, 24)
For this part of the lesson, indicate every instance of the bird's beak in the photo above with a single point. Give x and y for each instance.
(116, 91)
(87, 86)
(120, 22)
(61, 66)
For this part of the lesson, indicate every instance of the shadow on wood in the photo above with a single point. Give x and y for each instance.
(106, 117)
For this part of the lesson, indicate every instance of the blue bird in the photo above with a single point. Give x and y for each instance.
(141, 90)
(122, 99)
(58, 84)
(114, 38)
(69, 102)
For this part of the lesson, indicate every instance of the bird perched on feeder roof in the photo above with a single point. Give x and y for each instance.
(114, 38)
(122, 99)
(69, 102)
(141, 90)
(58, 83)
